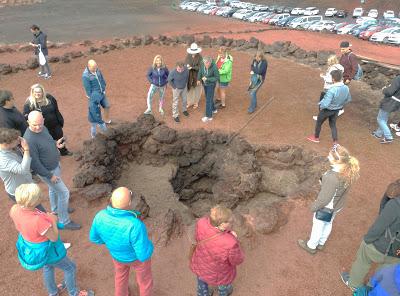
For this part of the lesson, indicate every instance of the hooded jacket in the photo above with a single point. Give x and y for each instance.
(225, 71)
(349, 61)
(158, 76)
(391, 101)
(211, 74)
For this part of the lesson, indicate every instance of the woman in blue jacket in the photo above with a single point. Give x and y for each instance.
(158, 78)
(257, 77)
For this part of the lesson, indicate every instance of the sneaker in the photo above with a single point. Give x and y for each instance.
(345, 276)
(66, 153)
(386, 141)
(108, 121)
(72, 226)
(375, 135)
(147, 112)
(320, 247)
(177, 119)
(215, 111)
(185, 113)
(340, 112)
(41, 74)
(398, 134)
(161, 110)
(67, 245)
(205, 119)
(315, 117)
(86, 293)
(46, 76)
(302, 244)
(312, 138)
(395, 127)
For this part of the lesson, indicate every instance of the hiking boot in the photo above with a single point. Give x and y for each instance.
(177, 119)
(386, 141)
(375, 135)
(72, 226)
(185, 113)
(320, 247)
(147, 112)
(312, 138)
(46, 76)
(303, 244)
(345, 276)
(340, 112)
(215, 111)
(395, 127)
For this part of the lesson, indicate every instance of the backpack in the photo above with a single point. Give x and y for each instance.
(359, 72)
(393, 248)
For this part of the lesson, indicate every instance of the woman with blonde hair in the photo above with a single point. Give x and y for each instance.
(45, 103)
(258, 72)
(39, 245)
(335, 185)
(217, 252)
(157, 75)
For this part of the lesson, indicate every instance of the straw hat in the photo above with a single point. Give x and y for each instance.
(193, 49)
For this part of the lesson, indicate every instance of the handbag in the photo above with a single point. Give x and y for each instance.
(42, 58)
(193, 246)
(326, 213)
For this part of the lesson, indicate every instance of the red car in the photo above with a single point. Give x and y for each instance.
(214, 11)
(268, 18)
(371, 30)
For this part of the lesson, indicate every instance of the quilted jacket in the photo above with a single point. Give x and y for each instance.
(215, 260)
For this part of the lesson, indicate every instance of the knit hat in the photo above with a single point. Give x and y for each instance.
(345, 44)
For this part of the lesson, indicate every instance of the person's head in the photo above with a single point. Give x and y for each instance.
(337, 75)
(158, 62)
(38, 95)
(9, 138)
(259, 56)
(194, 50)
(221, 217)
(332, 60)
(180, 66)
(35, 29)
(345, 47)
(393, 190)
(121, 198)
(28, 195)
(92, 66)
(222, 51)
(207, 61)
(6, 99)
(346, 164)
(35, 121)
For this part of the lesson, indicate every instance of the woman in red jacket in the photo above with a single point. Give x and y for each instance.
(217, 253)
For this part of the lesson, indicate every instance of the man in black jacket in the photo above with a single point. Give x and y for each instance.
(390, 103)
(381, 244)
(10, 117)
(39, 42)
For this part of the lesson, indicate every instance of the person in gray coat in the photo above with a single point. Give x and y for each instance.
(39, 43)
(178, 79)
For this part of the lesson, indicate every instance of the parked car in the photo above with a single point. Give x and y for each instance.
(346, 29)
(311, 11)
(258, 16)
(285, 22)
(278, 17)
(341, 13)
(304, 19)
(322, 25)
(366, 19)
(297, 11)
(338, 26)
(357, 12)
(239, 14)
(248, 15)
(288, 9)
(331, 12)
(383, 35)
(191, 6)
(268, 18)
(373, 13)
(365, 35)
(279, 9)
(307, 25)
(356, 31)
(394, 38)
(261, 7)
(209, 9)
(388, 14)
(229, 13)
(202, 7)
(235, 4)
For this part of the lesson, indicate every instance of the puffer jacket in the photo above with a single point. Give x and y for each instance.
(158, 76)
(215, 260)
(336, 97)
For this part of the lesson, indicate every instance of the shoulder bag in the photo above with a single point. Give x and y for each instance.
(193, 246)
(326, 213)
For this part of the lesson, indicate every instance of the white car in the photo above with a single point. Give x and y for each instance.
(388, 14)
(394, 38)
(208, 9)
(383, 35)
(278, 17)
(258, 16)
(235, 4)
(297, 11)
(322, 25)
(357, 12)
(311, 11)
(373, 13)
(364, 19)
(331, 12)
(222, 10)
(240, 13)
(193, 6)
(346, 29)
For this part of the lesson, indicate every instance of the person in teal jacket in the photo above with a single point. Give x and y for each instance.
(208, 76)
(125, 236)
(224, 64)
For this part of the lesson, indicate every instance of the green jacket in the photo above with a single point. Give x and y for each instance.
(211, 74)
(225, 72)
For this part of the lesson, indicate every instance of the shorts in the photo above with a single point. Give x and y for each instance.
(104, 102)
(223, 84)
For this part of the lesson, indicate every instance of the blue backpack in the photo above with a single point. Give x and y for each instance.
(359, 73)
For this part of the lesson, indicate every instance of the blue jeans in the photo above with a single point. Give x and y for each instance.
(383, 129)
(93, 126)
(253, 98)
(209, 93)
(59, 196)
(202, 289)
(69, 269)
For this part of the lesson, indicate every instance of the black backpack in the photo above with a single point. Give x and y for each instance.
(393, 248)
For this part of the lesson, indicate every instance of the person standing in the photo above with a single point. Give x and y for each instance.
(95, 85)
(178, 79)
(15, 167)
(46, 104)
(193, 62)
(157, 75)
(335, 185)
(208, 76)
(257, 77)
(390, 103)
(10, 117)
(39, 43)
(217, 252)
(334, 100)
(39, 245)
(224, 64)
(381, 244)
(125, 236)
(46, 163)
(349, 61)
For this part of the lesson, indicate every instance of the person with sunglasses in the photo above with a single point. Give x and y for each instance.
(126, 238)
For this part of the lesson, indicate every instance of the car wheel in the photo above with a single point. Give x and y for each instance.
(385, 40)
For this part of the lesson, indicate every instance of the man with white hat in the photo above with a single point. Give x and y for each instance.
(193, 61)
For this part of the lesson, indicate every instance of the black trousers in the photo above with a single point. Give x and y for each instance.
(324, 115)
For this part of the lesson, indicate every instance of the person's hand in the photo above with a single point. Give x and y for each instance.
(204, 79)
(60, 143)
(54, 179)
(347, 81)
(53, 217)
(234, 233)
(321, 75)
(188, 66)
(198, 82)
(251, 72)
(24, 144)
(88, 97)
